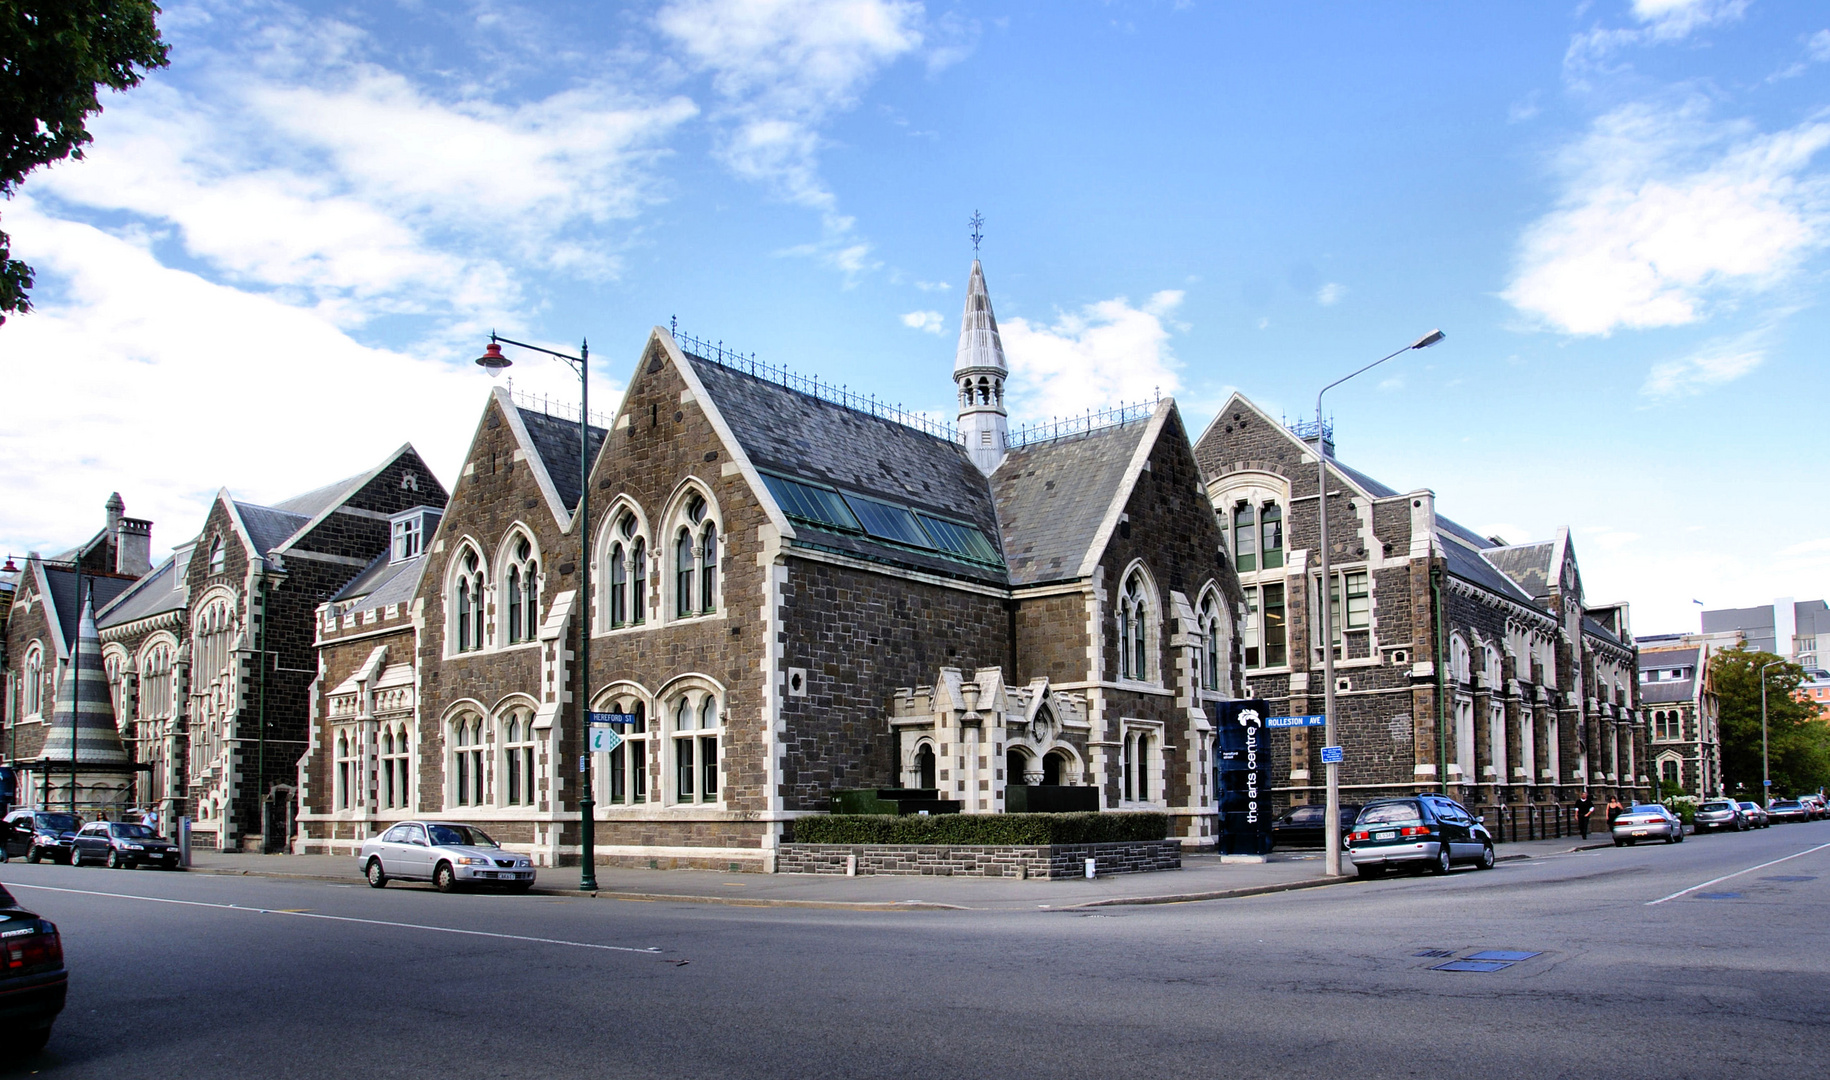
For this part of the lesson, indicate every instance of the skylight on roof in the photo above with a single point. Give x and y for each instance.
(815, 505)
(956, 539)
(888, 522)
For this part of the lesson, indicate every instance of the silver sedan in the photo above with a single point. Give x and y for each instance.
(1647, 821)
(449, 855)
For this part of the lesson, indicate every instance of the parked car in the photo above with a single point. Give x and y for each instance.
(1647, 821)
(1430, 831)
(1756, 817)
(41, 834)
(448, 855)
(1787, 810)
(32, 977)
(123, 846)
(1302, 826)
(1719, 815)
(1814, 805)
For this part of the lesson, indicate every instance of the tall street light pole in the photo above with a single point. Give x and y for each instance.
(493, 361)
(1331, 831)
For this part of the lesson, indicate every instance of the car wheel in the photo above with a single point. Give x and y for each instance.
(1487, 859)
(32, 853)
(377, 877)
(444, 879)
(35, 1041)
(1443, 863)
(117, 862)
(1618, 842)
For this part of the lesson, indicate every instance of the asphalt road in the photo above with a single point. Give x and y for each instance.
(203, 976)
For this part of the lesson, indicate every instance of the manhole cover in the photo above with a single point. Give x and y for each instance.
(1435, 952)
(1790, 877)
(1473, 965)
(1503, 954)
(1718, 896)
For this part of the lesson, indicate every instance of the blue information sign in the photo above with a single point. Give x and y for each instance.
(604, 739)
(1295, 721)
(1331, 755)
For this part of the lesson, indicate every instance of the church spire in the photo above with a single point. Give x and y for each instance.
(979, 371)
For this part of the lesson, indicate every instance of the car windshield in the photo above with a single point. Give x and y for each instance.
(459, 836)
(60, 822)
(1785, 804)
(1390, 813)
(134, 832)
(1750, 806)
(1305, 815)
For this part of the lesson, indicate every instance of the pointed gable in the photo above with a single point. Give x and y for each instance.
(554, 445)
(1055, 496)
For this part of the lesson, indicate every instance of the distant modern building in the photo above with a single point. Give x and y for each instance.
(1785, 628)
(1678, 698)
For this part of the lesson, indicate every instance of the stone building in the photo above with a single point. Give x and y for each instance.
(1462, 662)
(794, 590)
(1683, 717)
(210, 655)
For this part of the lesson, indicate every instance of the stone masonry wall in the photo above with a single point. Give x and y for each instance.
(1056, 861)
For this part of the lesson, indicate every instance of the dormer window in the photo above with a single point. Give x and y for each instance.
(218, 556)
(410, 530)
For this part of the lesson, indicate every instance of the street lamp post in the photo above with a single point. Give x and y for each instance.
(493, 361)
(1331, 833)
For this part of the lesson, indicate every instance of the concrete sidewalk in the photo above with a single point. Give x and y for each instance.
(1202, 877)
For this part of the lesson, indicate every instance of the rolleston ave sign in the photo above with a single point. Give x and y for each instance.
(1294, 721)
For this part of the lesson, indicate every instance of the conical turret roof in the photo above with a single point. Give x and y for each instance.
(979, 344)
(84, 695)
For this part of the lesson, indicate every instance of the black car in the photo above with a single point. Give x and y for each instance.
(32, 977)
(123, 845)
(1302, 826)
(41, 834)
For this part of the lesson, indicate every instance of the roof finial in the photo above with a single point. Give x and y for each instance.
(978, 231)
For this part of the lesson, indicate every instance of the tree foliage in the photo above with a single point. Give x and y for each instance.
(55, 56)
(1798, 744)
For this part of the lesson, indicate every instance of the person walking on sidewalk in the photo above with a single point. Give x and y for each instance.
(1585, 806)
(1614, 810)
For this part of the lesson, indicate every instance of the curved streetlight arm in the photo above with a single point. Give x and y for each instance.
(576, 362)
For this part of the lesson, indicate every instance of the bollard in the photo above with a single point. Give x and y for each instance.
(184, 842)
(1090, 874)
(851, 866)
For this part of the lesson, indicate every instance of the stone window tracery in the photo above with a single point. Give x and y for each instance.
(518, 748)
(33, 686)
(396, 755)
(694, 721)
(627, 771)
(347, 766)
(521, 591)
(695, 560)
(467, 601)
(466, 770)
(1134, 628)
(626, 602)
(1211, 633)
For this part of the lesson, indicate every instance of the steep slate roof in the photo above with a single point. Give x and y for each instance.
(1052, 498)
(383, 582)
(316, 501)
(1658, 659)
(1595, 629)
(798, 435)
(62, 586)
(1665, 692)
(159, 591)
(268, 526)
(1527, 564)
(1465, 562)
(556, 441)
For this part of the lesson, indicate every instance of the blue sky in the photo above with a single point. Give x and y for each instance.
(281, 254)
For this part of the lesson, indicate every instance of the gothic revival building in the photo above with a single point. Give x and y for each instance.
(1462, 662)
(794, 590)
(1683, 715)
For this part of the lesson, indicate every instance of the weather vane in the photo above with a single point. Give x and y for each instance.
(978, 232)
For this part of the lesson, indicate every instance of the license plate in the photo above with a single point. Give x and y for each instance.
(1385, 836)
(1639, 832)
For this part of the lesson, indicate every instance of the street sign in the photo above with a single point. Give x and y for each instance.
(604, 738)
(1331, 755)
(1295, 721)
(612, 718)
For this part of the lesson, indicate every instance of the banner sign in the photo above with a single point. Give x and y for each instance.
(1295, 721)
(1242, 775)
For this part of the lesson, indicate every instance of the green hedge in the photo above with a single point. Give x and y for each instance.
(983, 829)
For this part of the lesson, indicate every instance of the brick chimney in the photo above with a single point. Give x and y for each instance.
(132, 539)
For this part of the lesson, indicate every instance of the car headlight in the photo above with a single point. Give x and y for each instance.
(134, 847)
(471, 860)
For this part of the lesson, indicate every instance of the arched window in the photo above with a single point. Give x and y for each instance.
(924, 766)
(395, 778)
(694, 717)
(1210, 642)
(156, 698)
(467, 602)
(1458, 659)
(521, 584)
(218, 556)
(1668, 771)
(1135, 765)
(619, 585)
(1245, 537)
(387, 767)
(1133, 629)
(34, 680)
(467, 761)
(628, 764)
(344, 768)
(695, 558)
(518, 759)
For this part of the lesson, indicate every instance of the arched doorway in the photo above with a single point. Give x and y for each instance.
(924, 766)
(1016, 767)
(1054, 764)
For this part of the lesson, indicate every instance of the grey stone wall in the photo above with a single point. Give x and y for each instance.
(1054, 861)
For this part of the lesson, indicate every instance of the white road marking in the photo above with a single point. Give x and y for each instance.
(342, 918)
(1736, 874)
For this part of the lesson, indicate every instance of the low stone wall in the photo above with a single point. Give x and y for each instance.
(971, 860)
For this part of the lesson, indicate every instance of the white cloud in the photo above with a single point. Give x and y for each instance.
(1105, 354)
(932, 286)
(1669, 20)
(781, 68)
(929, 321)
(1663, 211)
(1523, 109)
(1717, 363)
(1819, 46)
(1330, 294)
